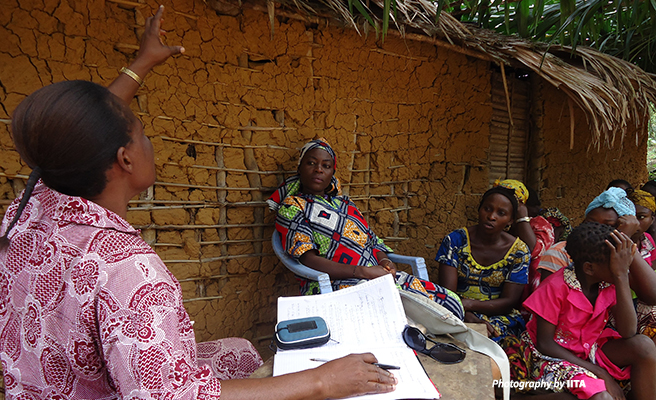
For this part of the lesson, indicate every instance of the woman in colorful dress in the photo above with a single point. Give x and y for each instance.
(487, 267)
(324, 230)
(645, 205)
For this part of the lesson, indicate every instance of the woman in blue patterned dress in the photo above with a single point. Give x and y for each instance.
(324, 230)
(487, 267)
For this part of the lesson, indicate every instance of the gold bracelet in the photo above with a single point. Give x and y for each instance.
(523, 219)
(133, 75)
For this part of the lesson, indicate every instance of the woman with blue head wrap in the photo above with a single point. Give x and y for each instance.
(613, 207)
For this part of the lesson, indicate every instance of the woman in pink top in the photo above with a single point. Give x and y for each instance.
(87, 309)
(645, 208)
(567, 342)
(645, 205)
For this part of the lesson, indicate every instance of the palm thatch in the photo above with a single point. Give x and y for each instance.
(614, 94)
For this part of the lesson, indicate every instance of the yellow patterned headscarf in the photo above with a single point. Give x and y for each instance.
(642, 198)
(520, 190)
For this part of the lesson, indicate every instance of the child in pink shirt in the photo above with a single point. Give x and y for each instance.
(567, 342)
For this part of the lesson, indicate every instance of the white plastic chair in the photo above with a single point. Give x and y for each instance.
(418, 265)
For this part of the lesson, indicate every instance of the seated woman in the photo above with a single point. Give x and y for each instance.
(650, 187)
(645, 207)
(325, 231)
(88, 309)
(487, 266)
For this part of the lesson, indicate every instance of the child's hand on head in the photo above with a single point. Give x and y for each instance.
(621, 253)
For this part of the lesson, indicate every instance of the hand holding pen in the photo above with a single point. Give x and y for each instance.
(386, 367)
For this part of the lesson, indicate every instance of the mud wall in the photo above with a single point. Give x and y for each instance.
(409, 121)
(572, 178)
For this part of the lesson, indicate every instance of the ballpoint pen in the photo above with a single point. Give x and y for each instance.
(379, 365)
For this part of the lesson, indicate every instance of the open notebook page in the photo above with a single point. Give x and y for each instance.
(365, 318)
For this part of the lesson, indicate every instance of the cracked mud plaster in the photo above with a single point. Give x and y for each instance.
(407, 119)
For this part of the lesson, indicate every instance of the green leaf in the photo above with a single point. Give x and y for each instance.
(522, 17)
(386, 16)
(438, 11)
(363, 11)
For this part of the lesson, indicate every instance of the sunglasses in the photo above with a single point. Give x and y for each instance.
(447, 353)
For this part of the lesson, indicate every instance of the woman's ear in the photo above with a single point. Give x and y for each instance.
(123, 160)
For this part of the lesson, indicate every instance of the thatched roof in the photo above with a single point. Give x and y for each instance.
(613, 93)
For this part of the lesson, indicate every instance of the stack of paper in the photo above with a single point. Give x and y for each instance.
(365, 318)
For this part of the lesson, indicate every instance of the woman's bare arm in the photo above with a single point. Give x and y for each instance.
(336, 270)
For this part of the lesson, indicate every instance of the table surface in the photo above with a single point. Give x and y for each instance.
(470, 379)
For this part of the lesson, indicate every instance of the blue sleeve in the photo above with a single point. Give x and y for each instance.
(519, 259)
(449, 251)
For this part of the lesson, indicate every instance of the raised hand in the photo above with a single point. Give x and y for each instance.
(151, 53)
(621, 253)
(628, 224)
(151, 50)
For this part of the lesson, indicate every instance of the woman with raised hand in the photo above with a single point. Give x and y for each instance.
(88, 309)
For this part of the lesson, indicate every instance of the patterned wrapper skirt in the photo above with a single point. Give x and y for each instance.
(404, 281)
(541, 373)
(508, 324)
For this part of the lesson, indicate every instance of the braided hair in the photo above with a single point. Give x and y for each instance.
(587, 243)
(69, 134)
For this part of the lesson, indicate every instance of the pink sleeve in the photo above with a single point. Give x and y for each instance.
(653, 252)
(146, 335)
(544, 235)
(547, 299)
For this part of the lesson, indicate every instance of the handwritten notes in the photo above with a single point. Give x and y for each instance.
(365, 318)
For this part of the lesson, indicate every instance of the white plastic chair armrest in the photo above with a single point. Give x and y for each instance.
(418, 264)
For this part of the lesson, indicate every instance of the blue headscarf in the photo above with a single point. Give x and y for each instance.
(614, 198)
